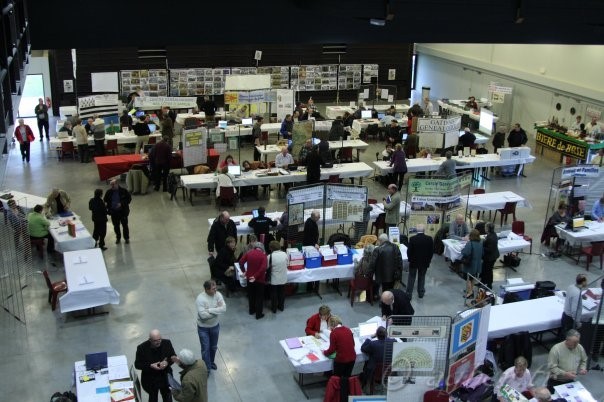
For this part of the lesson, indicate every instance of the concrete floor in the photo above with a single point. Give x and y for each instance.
(161, 272)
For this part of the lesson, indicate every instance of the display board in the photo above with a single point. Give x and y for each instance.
(152, 82)
(191, 82)
(370, 71)
(314, 77)
(437, 133)
(194, 146)
(157, 102)
(350, 76)
(105, 82)
(279, 76)
(285, 102)
(247, 82)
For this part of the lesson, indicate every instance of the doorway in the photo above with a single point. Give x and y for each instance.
(32, 91)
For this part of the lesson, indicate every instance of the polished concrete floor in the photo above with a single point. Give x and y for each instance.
(161, 271)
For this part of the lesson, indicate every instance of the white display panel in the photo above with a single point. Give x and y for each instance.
(105, 82)
(485, 124)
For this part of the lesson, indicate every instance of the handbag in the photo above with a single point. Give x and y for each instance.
(269, 270)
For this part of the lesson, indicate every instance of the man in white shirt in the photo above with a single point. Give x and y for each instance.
(428, 107)
(283, 159)
(572, 305)
(593, 127)
(576, 126)
(210, 304)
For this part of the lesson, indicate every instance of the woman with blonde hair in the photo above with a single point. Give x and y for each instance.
(341, 342)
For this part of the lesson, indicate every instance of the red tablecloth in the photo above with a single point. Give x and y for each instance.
(111, 166)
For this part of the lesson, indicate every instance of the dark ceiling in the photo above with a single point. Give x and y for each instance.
(98, 24)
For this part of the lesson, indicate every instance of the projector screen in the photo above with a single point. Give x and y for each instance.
(485, 125)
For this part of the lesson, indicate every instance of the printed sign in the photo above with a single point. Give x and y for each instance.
(565, 146)
(439, 125)
(157, 102)
(580, 171)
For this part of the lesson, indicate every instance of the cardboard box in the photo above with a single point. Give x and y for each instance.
(71, 229)
(514, 153)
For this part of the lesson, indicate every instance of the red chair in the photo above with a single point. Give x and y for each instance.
(509, 208)
(595, 250)
(360, 283)
(380, 223)
(518, 228)
(334, 178)
(436, 395)
(346, 154)
(227, 196)
(54, 288)
(67, 148)
(152, 140)
(111, 145)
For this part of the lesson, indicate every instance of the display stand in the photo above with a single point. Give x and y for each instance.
(437, 132)
(194, 146)
(417, 364)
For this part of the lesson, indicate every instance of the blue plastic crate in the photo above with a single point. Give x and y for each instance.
(344, 259)
(313, 262)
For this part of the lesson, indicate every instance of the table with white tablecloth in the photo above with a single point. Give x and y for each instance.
(493, 201)
(122, 138)
(87, 281)
(99, 383)
(458, 107)
(592, 232)
(509, 244)
(274, 149)
(63, 240)
(333, 112)
(27, 202)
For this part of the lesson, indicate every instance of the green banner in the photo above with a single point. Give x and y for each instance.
(564, 144)
(436, 187)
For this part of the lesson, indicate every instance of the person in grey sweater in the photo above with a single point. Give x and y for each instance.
(210, 304)
(447, 168)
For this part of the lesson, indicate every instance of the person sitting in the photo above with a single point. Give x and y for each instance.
(467, 140)
(347, 119)
(223, 268)
(542, 394)
(387, 119)
(246, 166)
(471, 103)
(387, 152)
(39, 228)
(560, 216)
(228, 161)
(394, 133)
(518, 377)
(283, 159)
(262, 226)
(597, 211)
(362, 267)
(224, 180)
(324, 151)
(318, 323)
(57, 202)
(337, 133)
(447, 168)
(458, 229)
(374, 349)
(126, 120)
(66, 127)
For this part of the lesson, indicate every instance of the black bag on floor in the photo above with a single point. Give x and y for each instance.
(511, 260)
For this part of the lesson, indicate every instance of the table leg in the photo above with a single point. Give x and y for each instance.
(336, 285)
(300, 381)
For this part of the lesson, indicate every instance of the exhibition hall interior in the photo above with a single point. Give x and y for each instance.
(347, 132)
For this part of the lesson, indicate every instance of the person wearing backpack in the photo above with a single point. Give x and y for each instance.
(472, 261)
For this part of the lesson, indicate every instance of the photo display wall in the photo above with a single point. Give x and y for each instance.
(152, 82)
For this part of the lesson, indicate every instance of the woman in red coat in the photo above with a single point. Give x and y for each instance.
(341, 341)
(256, 278)
(24, 135)
(318, 322)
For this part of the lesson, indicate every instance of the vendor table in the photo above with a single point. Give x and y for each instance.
(457, 106)
(431, 165)
(115, 165)
(63, 241)
(594, 231)
(26, 201)
(97, 389)
(87, 281)
(510, 244)
(274, 149)
(334, 111)
(122, 138)
(493, 201)
(566, 145)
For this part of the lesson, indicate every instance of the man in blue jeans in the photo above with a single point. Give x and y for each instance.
(210, 304)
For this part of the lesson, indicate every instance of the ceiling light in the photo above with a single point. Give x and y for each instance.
(377, 22)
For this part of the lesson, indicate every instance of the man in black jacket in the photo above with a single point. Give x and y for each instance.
(262, 226)
(222, 227)
(387, 264)
(99, 218)
(396, 302)
(517, 136)
(419, 252)
(374, 349)
(118, 201)
(311, 229)
(154, 358)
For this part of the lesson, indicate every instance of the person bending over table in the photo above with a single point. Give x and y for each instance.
(341, 341)
(396, 302)
(223, 268)
(39, 226)
(317, 323)
(472, 250)
(57, 202)
(573, 308)
(262, 226)
(311, 229)
(256, 278)
(518, 377)
(374, 349)
(153, 359)
(566, 360)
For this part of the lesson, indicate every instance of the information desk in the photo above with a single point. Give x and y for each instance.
(493, 201)
(566, 145)
(594, 231)
(97, 386)
(510, 244)
(26, 201)
(87, 281)
(431, 165)
(121, 138)
(260, 177)
(115, 165)
(65, 242)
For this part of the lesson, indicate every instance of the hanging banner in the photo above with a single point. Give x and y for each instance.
(156, 102)
(439, 125)
(435, 187)
(195, 147)
(305, 195)
(580, 171)
(565, 145)
(231, 97)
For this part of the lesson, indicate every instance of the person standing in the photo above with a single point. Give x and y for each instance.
(573, 308)
(517, 136)
(24, 135)
(257, 136)
(142, 131)
(81, 137)
(392, 206)
(209, 108)
(153, 359)
(387, 264)
(313, 166)
(262, 226)
(18, 221)
(118, 201)
(161, 162)
(489, 255)
(287, 127)
(256, 278)
(99, 218)
(278, 267)
(126, 120)
(210, 305)
(41, 112)
(399, 165)
(311, 229)
(419, 252)
(341, 341)
(473, 251)
(223, 268)
(167, 127)
(566, 359)
(222, 227)
(193, 378)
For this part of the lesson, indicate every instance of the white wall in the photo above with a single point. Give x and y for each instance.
(570, 76)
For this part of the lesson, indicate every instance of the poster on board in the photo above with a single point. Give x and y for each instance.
(194, 150)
